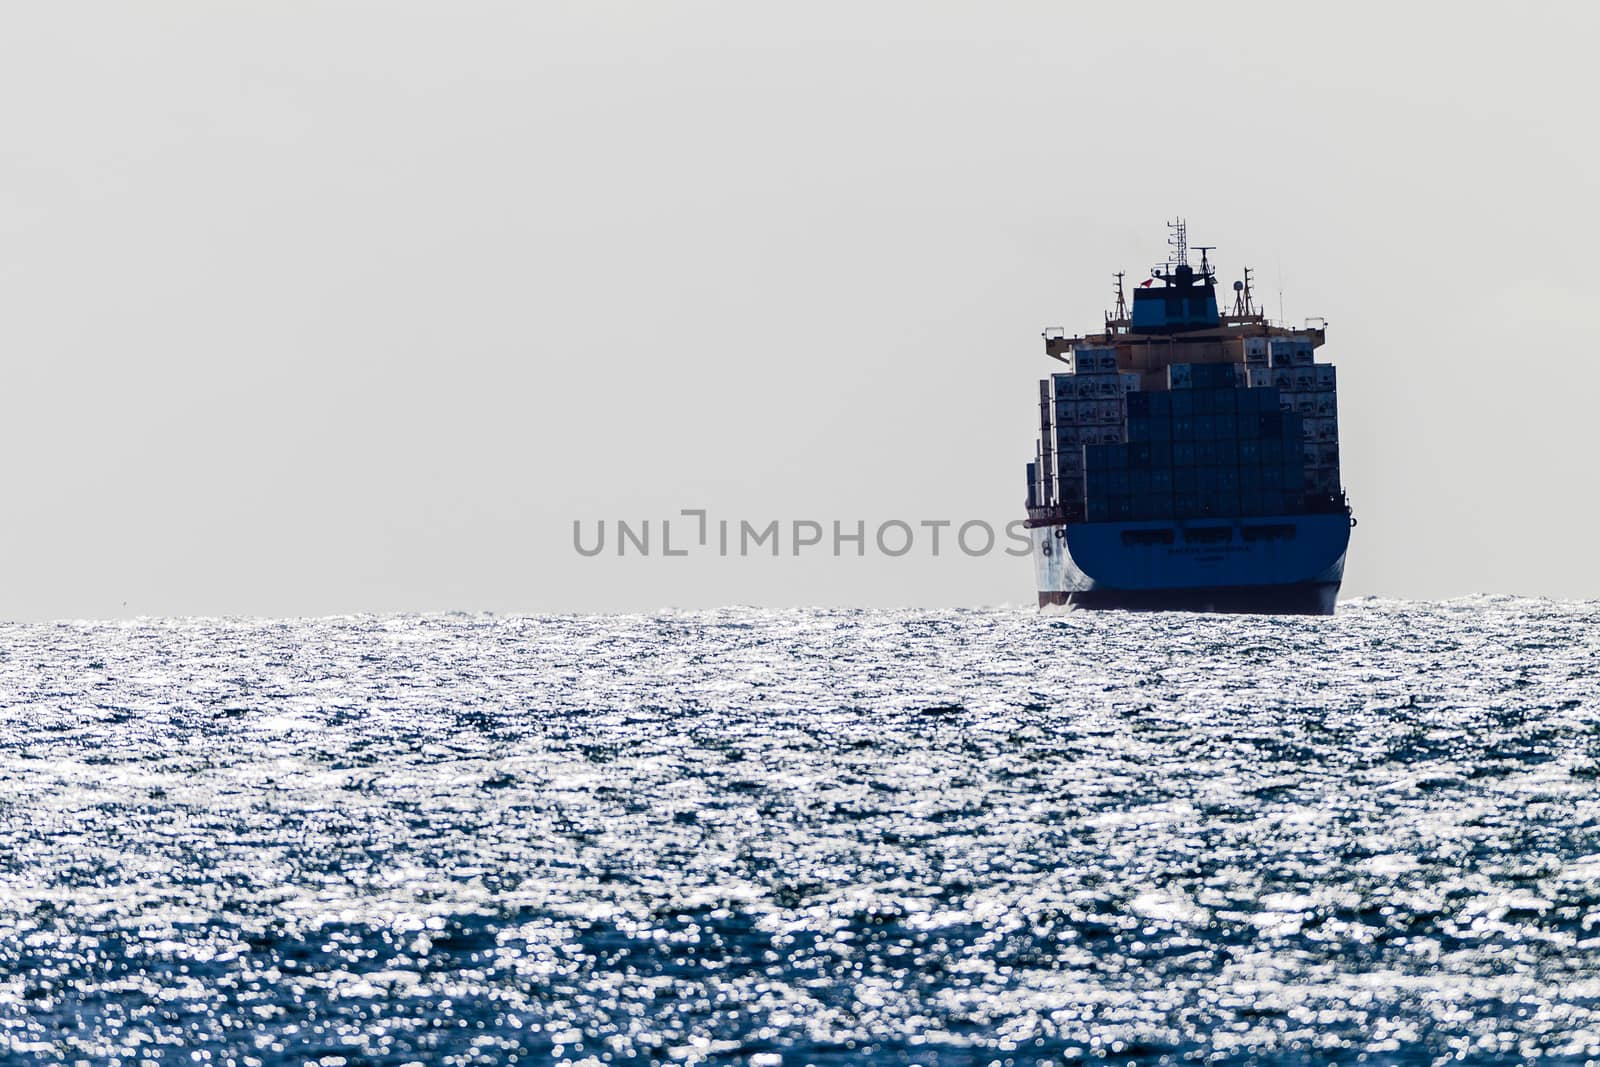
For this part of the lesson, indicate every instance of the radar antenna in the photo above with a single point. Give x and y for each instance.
(1205, 265)
(1122, 299)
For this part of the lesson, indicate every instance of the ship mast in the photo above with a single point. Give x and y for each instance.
(1118, 318)
(1179, 242)
(1243, 307)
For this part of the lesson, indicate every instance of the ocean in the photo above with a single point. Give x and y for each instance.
(804, 837)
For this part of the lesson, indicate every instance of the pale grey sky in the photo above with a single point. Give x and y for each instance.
(335, 306)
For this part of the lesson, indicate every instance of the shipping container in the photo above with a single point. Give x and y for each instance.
(1146, 454)
(1212, 375)
(1260, 398)
(1163, 506)
(1179, 376)
(1327, 377)
(1321, 428)
(1255, 350)
(1291, 352)
(1089, 360)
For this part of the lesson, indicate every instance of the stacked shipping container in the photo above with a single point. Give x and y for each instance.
(1224, 439)
(1310, 390)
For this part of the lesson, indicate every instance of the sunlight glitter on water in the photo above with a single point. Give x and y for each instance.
(821, 836)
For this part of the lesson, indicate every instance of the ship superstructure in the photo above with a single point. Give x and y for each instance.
(1187, 459)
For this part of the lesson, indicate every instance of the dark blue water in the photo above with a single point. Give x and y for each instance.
(819, 837)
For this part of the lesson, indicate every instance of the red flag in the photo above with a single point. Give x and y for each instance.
(1147, 283)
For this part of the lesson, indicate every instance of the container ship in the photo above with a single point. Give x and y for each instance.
(1189, 460)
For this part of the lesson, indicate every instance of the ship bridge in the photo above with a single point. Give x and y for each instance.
(1186, 301)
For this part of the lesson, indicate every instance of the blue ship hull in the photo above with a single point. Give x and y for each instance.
(1289, 564)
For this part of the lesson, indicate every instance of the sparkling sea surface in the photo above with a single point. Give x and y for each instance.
(825, 837)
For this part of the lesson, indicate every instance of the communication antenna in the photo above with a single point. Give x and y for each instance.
(1249, 277)
(1280, 292)
(1179, 241)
